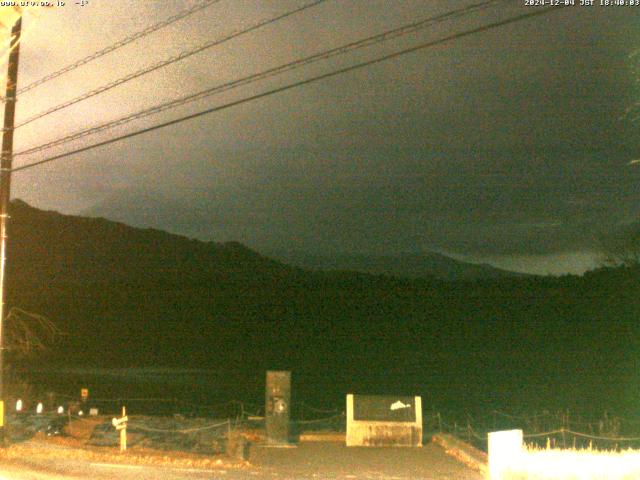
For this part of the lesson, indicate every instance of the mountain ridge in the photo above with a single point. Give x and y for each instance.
(155, 210)
(403, 265)
(128, 297)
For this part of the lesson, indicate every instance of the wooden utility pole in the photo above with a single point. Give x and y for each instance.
(5, 189)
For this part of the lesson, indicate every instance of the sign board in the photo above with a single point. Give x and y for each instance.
(277, 406)
(119, 421)
(384, 408)
(384, 420)
(84, 394)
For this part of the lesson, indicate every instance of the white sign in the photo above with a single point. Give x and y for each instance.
(398, 405)
(119, 421)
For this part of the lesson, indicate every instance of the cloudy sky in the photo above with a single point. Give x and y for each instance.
(511, 145)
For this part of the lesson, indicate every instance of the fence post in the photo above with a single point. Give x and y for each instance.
(123, 432)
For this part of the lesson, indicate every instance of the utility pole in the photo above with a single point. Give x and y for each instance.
(5, 190)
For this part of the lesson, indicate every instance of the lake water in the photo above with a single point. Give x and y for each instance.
(149, 390)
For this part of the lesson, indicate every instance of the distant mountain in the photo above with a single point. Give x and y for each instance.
(110, 285)
(75, 250)
(404, 265)
(141, 297)
(244, 221)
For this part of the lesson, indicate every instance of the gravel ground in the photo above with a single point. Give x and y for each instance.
(39, 459)
(69, 458)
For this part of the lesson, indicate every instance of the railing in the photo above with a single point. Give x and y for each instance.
(545, 429)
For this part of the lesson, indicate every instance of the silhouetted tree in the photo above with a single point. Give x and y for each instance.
(26, 335)
(622, 248)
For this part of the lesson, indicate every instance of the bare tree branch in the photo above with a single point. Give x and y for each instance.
(27, 332)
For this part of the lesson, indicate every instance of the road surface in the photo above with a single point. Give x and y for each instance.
(41, 460)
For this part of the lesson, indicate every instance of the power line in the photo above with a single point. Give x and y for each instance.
(121, 43)
(290, 86)
(366, 42)
(169, 61)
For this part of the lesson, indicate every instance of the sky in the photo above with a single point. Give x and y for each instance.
(513, 146)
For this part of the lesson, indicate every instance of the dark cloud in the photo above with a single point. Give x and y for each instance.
(509, 142)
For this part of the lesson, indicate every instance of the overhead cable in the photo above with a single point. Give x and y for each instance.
(466, 33)
(119, 44)
(164, 63)
(366, 42)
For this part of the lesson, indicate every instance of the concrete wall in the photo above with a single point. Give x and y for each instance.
(377, 433)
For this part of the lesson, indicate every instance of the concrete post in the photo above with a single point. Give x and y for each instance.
(505, 450)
